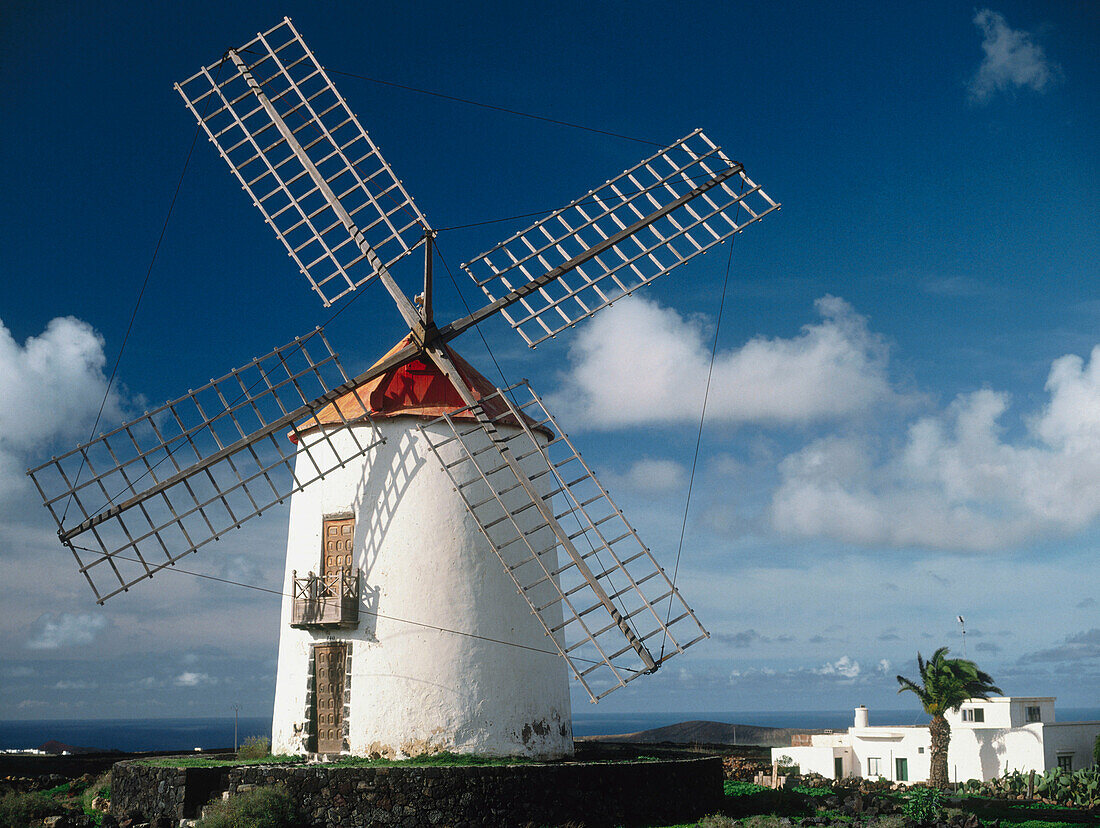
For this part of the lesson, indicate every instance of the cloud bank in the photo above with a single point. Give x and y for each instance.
(638, 363)
(50, 391)
(956, 482)
(1012, 60)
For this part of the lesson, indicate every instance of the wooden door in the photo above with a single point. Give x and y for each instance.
(329, 668)
(336, 555)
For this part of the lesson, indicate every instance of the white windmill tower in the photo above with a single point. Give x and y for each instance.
(451, 558)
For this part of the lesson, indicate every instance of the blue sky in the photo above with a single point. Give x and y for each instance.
(902, 426)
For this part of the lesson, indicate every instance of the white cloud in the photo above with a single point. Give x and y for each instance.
(52, 631)
(649, 476)
(50, 390)
(74, 685)
(638, 363)
(883, 666)
(1012, 59)
(956, 483)
(843, 666)
(190, 679)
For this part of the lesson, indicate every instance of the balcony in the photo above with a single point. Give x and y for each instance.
(326, 601)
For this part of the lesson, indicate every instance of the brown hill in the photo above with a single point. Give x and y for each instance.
(55, 747)
(710, 733)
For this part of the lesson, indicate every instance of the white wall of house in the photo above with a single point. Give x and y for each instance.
(990, 752)
(1010, 733)
(876, 751)
(818, 759)
(1072, 741)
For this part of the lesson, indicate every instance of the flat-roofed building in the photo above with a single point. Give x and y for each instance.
(989, 737)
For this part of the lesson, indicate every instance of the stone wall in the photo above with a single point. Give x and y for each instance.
(597, 794)
(172, 792)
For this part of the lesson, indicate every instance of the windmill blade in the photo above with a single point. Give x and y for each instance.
(596, 589)
(306, 162)
(171, 481)
(654, 217)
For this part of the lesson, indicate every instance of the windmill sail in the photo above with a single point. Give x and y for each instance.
(654, 217)
(159, 487)
(596, 589)
(307, 163)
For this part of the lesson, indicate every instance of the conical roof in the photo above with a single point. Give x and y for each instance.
(416, 388)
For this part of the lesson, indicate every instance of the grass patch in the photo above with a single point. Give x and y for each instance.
(211, 762)
(431, 760)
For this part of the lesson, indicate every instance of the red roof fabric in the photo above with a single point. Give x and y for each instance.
(417, 388)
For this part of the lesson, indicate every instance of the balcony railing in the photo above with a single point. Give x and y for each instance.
(326, 600)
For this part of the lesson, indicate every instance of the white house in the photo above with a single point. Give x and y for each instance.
(988, 739)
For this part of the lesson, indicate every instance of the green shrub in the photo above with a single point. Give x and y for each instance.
(923, 805)
(20, 810)
(258, 808)
(255, 747)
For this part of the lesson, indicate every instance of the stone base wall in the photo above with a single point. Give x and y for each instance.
(596, 794)
(170, 792)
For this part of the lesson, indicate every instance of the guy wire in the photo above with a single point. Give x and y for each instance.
(702, 417)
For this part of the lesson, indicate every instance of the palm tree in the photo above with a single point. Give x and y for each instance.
(945, 683)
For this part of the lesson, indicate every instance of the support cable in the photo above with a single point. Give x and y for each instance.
(495, 107)
(699, 435)
(373, 613)
(137, 305)
(477, 327)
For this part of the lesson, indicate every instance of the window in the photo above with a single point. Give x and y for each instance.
(920, 750)
(1034, 714)
(874, 766)
(1065, 761)
(973, 714)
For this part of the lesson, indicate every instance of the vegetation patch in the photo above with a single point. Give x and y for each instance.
(258, 808)
(255, 747)
(212, 762)
(21, 810)
(443, 759)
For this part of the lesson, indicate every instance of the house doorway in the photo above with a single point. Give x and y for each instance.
(329, 668)
(838, 767)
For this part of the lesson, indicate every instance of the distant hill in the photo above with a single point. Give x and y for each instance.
(56, 747)
(710, 733)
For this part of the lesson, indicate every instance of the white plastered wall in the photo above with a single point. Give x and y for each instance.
(1075, 739)
(443, 682)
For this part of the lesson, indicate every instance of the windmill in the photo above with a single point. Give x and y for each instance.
(415, 486)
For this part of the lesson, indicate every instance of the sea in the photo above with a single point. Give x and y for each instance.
(137, 735)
